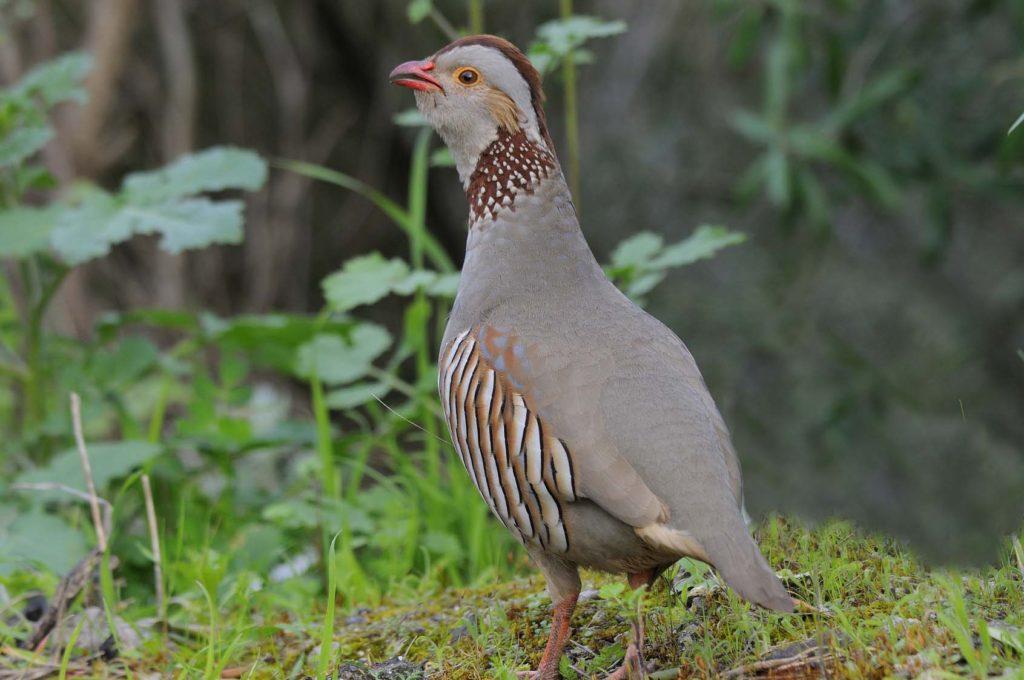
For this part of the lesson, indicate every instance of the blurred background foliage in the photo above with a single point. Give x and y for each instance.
(277, 382)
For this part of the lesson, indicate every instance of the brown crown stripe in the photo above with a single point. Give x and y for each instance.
(513, 164)
(522, 472)
(522, 64)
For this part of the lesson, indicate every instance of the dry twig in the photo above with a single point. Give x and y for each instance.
(154, 544)
(76, 422)
(67, 590)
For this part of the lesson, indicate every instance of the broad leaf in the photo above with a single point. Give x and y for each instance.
(108, 461)
(22, 142)
(24, 231)
(355, 395)
(641, 262)
(363, 281)
(335, 359)
(368, 278)
(123, 364)
(35, 536)
(190, 223)
(55, 81)
(565, 35)
(90, 228)
(101, 221)
(214, 169)
(637, 250)
(558, 39)
(444, 285)
(269, 339)
(704, 242)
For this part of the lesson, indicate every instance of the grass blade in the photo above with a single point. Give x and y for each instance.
(66, 658)
(397, 213)
(327, 629)
(1016, 124)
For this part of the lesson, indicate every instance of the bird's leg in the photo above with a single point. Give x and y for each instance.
(556, 640)
(634, 660)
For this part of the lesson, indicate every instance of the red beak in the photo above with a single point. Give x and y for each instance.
(414, 74)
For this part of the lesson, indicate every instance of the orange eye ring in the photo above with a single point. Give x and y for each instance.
(468, 76)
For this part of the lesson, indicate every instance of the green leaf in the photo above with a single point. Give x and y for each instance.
(90, 228)
(22, 142)
(1008, 636)
(606, 659)
(108, 461)
(214, 169)
(35, 536)
(269, 339)
(611, 591)
(704, 242)
(57, 80)
(640, 263)
(191, 223)
(638, 249)
(125, 363)
(444, 285)
(418, 10)
(777, 178)
(100, 221)
(355, 395)
(873, 95)
(335, 359)
(363, 280)
(542, 58)
(109, 324)
(752, 126)
(292, 514)
(24, 231)
(562, 36)
(366, 279)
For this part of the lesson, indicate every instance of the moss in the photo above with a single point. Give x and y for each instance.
(870, 610)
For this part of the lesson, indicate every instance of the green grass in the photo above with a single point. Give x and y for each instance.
(871, 609)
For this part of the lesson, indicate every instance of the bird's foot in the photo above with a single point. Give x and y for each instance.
(632, 666)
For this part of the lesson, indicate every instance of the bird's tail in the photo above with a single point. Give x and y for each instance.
(740, 562)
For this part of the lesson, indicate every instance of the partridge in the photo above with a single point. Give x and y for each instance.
(583, 421)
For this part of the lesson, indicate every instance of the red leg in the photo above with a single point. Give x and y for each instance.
(559, 636)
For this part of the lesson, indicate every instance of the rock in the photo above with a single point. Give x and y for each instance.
(95, 636)
(393, 669)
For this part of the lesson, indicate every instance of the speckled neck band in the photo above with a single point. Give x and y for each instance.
(511, 165)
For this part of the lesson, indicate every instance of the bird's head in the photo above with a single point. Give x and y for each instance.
(473, 88)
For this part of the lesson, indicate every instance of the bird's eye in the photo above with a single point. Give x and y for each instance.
(467, 75)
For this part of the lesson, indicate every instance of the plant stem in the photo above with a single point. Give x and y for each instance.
(476, 16)
(418, 197)
(33, 342)
(572, 130)
(324, 445)
(156, 420)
